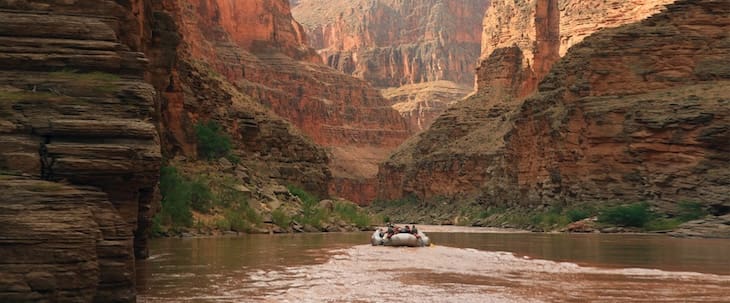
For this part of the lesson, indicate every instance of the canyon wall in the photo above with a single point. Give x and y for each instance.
(426, 49)
(635, 113)
(545, 30)
(639, 113)
(193, 91)
(272, 66)
(79, 151)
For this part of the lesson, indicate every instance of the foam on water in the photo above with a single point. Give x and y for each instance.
(365, 273)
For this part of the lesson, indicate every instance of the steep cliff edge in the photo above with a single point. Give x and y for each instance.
(271, 65)
(79, 151)
(636, 113)
(639, 113)
(416, 45)
(545, 30)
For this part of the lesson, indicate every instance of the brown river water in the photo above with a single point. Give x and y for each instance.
(464, 265)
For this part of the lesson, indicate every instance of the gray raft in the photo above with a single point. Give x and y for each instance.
(401, 239)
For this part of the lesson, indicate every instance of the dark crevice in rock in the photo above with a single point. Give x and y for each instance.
(719, 209)
(47, 161)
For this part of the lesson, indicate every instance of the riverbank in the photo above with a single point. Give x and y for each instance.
(706, 228)
(687, 219)
(221, 198)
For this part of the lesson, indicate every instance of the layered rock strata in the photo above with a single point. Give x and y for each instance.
(392, 43)
(62, 243)
(271, 66)
(76, 119)
(266, 144)
(420, 104)
(544, 30)
(636, 113)
(645, 121)
(416, 44)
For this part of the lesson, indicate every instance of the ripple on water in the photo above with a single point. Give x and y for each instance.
(435, 274)
(443, 274)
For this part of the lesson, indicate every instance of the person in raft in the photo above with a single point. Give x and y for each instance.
(390, 231)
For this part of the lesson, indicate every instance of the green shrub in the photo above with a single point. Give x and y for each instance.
(252, 216)
(303, 195)
(179, 196)
(237, 221)
(689, 211)
(156, 230)
(634, 215)
(200, 196)
(352, 214)
(223, 224)
(314, 216)
(176, 196)
(213, 142)
(233, 159)
(311, 213)
(658, 224)
(575, 214)
(550, 219)
(280, 218)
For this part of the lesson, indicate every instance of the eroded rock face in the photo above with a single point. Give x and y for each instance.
(637, 113)
(544, 30)
(450, 158)
(257, 25)
(645, 121)
(62, 243)
(426, 47)
(420, 104)
(74, 108)
(271, 66)
(393, 43)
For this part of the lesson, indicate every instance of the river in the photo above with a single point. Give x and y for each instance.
(464, 265)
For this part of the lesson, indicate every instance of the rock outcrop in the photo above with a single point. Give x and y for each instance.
(62, 243)
(271, 65)
(544, 30)
(710, 227)
(636, 113)
(418, 44)
(420, 104)
(77, 123)
(392, 43)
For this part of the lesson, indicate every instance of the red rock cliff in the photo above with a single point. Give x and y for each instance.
(422, 51)
(609, 122)
(544, 30)
(520, 43)
(79, 151)
(392, 43)
(638, 113)
(271, 65)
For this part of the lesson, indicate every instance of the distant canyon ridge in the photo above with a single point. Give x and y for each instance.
(420, 54)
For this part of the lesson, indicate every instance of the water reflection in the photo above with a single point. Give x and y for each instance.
(462, 267)
(604, 250)
(197, 264)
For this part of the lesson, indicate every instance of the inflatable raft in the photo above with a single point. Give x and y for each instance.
(400, 239)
